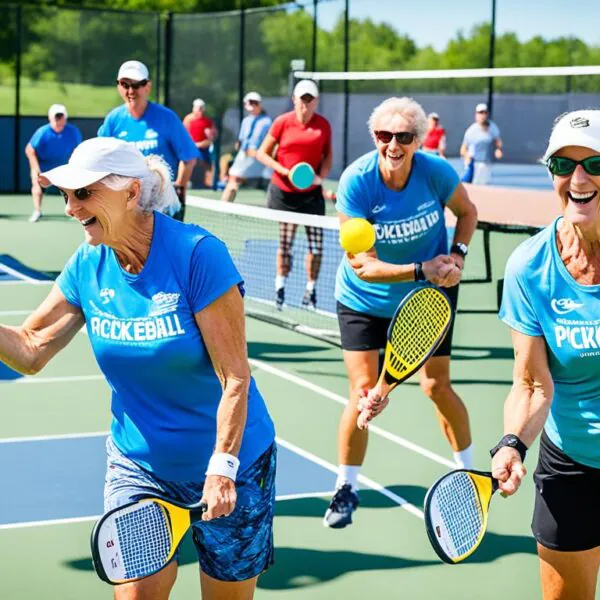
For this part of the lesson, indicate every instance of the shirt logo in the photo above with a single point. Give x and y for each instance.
(151, 134)
(579, 122)
(107, 294)
(378, 208)
(564, 306)
(164, 303)
(122, 134)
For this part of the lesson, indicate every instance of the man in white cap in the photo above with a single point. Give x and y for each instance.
(202, 130)
(481, 144)
(253, 130)
(50, 146)
(151, 127)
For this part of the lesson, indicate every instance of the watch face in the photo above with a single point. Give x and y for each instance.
(510, 440)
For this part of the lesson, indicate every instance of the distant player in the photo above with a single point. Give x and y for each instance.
(202, 130)
(435, 137)
(151, 128)
(50, 146)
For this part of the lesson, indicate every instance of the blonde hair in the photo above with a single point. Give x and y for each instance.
(157, 191)
(407, 107)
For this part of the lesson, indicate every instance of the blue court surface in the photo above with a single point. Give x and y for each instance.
(60, 478)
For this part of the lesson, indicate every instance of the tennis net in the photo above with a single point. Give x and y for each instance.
(253, 236)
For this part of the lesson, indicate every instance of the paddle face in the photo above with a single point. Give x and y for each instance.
(302, 175)
(417, 329)
(456, 513)
(136, 540)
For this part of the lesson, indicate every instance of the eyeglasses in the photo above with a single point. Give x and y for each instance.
(136, 85)
(253, 102)
(307, 98)
(59, 115)
(402, 137)
(559, 165)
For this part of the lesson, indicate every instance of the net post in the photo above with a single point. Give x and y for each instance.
(158, 55)
(313, 57)
(241, 82)
(346, 81)
(491, 58)
(17, 134)
(168, 56)
(296, 64)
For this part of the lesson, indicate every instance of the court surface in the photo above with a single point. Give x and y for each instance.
(53, 428)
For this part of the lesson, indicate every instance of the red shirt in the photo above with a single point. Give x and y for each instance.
(299, 142)
(197, 125)
(433, 137)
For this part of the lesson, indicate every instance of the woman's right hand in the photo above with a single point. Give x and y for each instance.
(370, 404)
(442, 271)
(509, 470)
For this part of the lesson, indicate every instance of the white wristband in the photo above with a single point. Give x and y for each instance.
(223, 464)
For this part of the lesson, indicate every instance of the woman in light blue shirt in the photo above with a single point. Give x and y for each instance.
(404, 193)
(551, 301)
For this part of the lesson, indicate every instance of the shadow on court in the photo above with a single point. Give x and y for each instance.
(274, 352)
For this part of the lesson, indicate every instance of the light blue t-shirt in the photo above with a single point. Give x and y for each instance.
(158, 131)
(541, 298)
(54, 149)
(480, 142)
(409, 224)
(165, 391)
(253, 131)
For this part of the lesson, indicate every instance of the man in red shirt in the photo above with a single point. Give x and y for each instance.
(435, 138)
(300, 135)
(201, 129)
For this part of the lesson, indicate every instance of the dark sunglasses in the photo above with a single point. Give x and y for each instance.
(136, 85)
(402, 137)
(561, 166)
(80, 193)
(253, 102)
(59, 115)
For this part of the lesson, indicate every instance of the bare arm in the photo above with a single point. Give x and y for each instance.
(466, 219)
(29, 347)
(463, 150)
(442, 146)
(526, 408)
(325, 167)
(184, 172)
(265, 155)
(34, 164)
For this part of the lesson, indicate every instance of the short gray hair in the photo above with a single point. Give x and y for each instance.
(157, 191)
(407, 107)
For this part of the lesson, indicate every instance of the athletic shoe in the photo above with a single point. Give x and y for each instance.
(279, 298)
(341, 507)
(36, 215)
(310, 299)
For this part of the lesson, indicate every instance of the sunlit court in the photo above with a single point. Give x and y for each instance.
(504, 66)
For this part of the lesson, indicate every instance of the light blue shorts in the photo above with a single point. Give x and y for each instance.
(233, 548)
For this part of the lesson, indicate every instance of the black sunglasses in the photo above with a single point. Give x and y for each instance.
(80, 193)
(561, 166)
(402, 137)
(135, 85)
(59, 115)
(253, 102)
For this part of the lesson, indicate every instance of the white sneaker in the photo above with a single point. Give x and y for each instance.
(35, 216)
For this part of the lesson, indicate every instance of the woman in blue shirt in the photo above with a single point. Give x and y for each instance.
(403, 193)
(551, 301)
(162, 304)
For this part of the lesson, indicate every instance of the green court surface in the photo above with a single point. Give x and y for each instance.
(385, 554)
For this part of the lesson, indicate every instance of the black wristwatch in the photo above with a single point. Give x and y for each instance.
(419, 275)
(512, 441)
(460, 248)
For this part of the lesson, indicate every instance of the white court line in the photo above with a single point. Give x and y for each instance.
(24, 278)
(58, 436)
(341, 400)
(32, 282)
(288, 445)
(9, 313)
(36, 379)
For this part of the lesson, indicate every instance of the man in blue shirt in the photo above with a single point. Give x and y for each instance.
(150, 127)
(50, 146)
(481, 144)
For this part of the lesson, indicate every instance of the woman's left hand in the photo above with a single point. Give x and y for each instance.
(368, 267)
(220, 496)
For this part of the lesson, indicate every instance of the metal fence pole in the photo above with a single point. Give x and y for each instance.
(168, 56)
(242, 71)
(490, 98)
(346, 82)
(17, 136)
(313, 58)
(158, 55)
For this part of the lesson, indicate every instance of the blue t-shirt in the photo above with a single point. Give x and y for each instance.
(480, 142)
(541, 298)
(409, 224)
(54, 149)
(253, 131)
(165, 391)
(158, 131)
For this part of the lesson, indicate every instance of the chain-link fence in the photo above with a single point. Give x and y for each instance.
(50, 55)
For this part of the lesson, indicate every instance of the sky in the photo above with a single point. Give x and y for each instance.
(434, 22)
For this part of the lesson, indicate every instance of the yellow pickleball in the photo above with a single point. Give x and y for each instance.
(357, 235)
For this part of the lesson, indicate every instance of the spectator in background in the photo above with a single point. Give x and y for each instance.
(203, 131)
(151, 128)
(300, 135)
(435, 137)
(253, 131)
(481, 144)
(49, 147)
